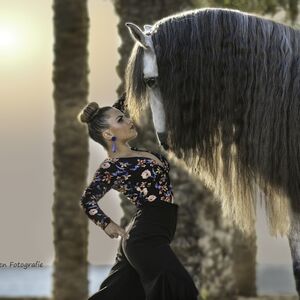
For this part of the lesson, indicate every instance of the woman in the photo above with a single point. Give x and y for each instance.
(145, 265)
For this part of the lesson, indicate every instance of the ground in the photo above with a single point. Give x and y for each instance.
(272, 298)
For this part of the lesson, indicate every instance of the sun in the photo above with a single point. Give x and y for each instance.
(16, 41)
(11, 44)
(20, 41)
(8, 38)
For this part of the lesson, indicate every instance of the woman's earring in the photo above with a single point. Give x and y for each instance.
(114, 148)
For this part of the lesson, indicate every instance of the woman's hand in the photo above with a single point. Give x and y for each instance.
(113, 230)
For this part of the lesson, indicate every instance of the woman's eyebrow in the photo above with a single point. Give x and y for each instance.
(119, 116)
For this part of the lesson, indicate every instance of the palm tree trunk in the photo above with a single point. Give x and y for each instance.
(70, 149)
(244, 249)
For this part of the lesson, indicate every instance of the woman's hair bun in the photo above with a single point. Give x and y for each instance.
(88, 112)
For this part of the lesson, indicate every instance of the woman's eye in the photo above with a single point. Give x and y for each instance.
(120, 119)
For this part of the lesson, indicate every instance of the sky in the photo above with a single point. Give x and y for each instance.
(27, 115)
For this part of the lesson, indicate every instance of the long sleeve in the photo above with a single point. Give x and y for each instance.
(101, 183)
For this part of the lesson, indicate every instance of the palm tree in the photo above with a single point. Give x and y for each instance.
(262, 7)
(71, 25)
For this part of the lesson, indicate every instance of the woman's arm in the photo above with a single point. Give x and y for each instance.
(101, 183)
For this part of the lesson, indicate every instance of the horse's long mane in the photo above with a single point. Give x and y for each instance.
(230, 84)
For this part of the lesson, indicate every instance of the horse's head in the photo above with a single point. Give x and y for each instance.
(149, 77)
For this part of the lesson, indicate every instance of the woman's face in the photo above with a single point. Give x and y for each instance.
(121, 126)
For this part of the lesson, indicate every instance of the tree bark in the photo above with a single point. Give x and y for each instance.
(70, 149)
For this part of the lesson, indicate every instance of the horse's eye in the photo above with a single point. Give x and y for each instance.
(150, 81)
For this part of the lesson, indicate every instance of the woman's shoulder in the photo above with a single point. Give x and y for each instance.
(107, 170)
(108, 164)
(160, 155)
(112, 165)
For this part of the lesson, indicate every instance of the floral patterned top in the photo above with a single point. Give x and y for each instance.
(139, 178)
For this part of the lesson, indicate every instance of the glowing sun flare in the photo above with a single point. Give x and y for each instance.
(8, 38)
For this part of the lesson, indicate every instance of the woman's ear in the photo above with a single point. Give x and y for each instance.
(107, 134)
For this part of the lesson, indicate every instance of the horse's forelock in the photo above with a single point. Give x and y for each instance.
(135, 86)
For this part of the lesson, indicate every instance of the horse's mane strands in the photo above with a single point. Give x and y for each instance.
(136, 91)
(230, 86)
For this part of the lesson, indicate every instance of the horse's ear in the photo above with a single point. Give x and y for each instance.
(137, 34)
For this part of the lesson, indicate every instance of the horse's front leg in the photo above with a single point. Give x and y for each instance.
(294, 242)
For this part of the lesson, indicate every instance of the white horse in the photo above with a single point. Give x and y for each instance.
(212, 121)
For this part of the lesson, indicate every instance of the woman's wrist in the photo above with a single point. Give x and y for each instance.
(106, 221)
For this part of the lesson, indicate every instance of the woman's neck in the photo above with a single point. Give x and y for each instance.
(121, 150)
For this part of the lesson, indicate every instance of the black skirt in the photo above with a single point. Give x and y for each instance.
(146, 268)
